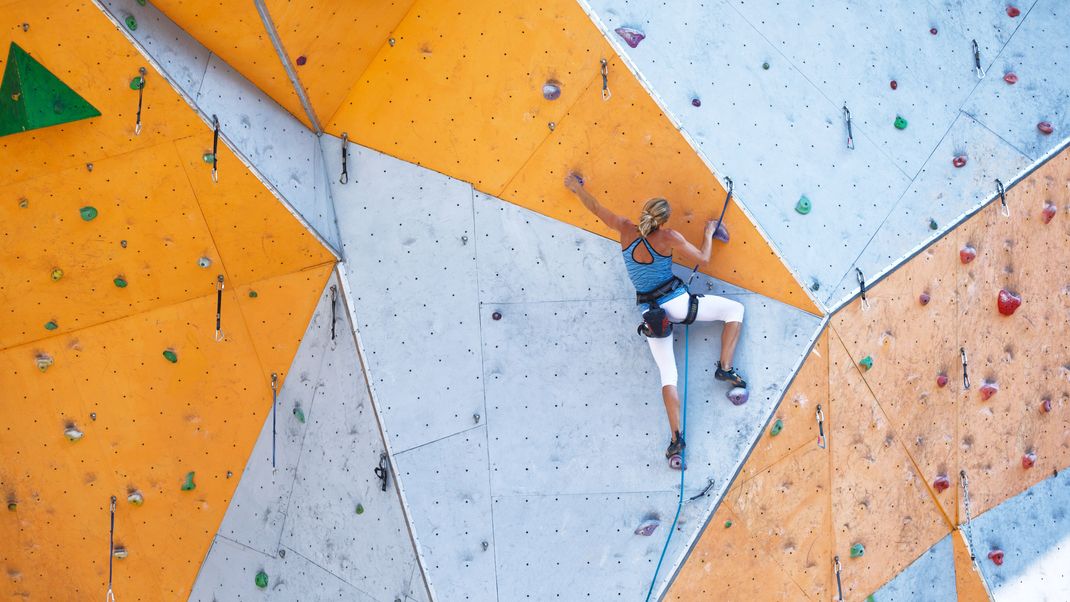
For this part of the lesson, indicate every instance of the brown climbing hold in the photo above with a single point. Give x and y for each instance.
(1045, 406)
(941, 483)
(894, 84)
(967, 254)
(1012, 11)
(941, 380)
(996, 556)
(959, 161)
(988, 389)
(924, 298)
(1010, 78)
(1007, 302)
(1029, 459)
(1049, 211)
(1045, 127)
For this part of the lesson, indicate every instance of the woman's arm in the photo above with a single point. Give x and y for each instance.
(691, 251)
(618, 223)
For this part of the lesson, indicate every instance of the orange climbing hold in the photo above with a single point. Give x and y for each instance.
(1010, 78)
(988, 390)
(1029, 459)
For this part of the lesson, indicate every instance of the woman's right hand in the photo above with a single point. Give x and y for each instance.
(574, 182)
(711, 228)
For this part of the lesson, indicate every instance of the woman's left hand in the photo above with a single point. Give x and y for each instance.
(573, 182)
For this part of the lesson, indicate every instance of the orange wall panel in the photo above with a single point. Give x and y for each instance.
(968, 580)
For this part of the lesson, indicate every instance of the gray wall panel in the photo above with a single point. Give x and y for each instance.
(930, 577)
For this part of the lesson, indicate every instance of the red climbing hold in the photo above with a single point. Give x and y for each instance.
(1049, 211)
(301, 60)
(988, 390)
(996, 556)
(923, 298)
(632, 37)
(1029, 459)
(1045, 406)
(894, 84)
(941, 483)
(1045, 128)
(1010, 78)
(932, 31)
(1012, 11)
(959, 160)
(941, 380)
(1007, 302)
(967, 254)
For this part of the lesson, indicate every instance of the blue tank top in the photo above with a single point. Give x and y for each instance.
(647, 276)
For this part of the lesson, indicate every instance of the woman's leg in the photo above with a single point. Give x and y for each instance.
(665, 358)
(712, 308)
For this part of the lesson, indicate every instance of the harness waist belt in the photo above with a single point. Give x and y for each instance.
(662, 289)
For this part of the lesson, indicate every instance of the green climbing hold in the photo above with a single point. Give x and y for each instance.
(300, 414)
(815, 285)
(31, 97)
(189, 485)
(170, 356)
(261, 579)
(12, 506)
(51, 325)
(866, 362)
(131, 22)
(56, 274)
(857, 550)
(765, 66)
(135, 498)
(900, 123)
(208, 157)
(727, 524)
(252, 295)
(933, 225)
(88, 213)
(120, 282)
(137, 82)
(777, 427)
(804, 205)
(870, 598)
(360, 508)
(43, 361)
(142, 2)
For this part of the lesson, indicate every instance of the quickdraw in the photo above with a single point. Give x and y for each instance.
(821, 428)
(381, 471)
(965, 374)
(140, 97)
(606, 94)
(977, 60)
(334, 303)
(110, 596)
(219, 308)
(839, 585)
(344, 178)
(1004, 208)
(862, 288)
(705, 490)
(274, 402)
(850, 133)
(969, 519)
(215, 149)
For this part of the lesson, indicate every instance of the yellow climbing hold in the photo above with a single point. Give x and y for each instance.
(56, 274)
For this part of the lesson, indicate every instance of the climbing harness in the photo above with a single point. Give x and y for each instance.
(850, 134)
(344, 178)
(215, 149)
(334, 303)
(606, 94)
(969, 519)
(274, 402)
(821, 428)
(862, 288)
(965, 375)
(140, 96)
(380, 471)
(839, 586)
(977, 60)
(705, 490)
(683, 470)
(1004, 208)
(110, 596)
(218, 308)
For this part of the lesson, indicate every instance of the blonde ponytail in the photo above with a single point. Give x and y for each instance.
(655, 213)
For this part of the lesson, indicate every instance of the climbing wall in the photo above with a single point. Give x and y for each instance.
(773, 89)
(472, 331)
(118, 382)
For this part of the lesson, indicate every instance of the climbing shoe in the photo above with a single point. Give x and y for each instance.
(676, 446)
(730, 376)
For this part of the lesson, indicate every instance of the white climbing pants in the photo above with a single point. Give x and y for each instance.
(710, 309)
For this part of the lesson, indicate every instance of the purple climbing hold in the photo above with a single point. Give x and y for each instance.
(696, 102)
(632, 37)
(551, 90)
(738, 396)
(647, 527)
(721, 233)
(301, 60)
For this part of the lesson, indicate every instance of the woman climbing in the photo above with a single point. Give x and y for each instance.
(648, 250)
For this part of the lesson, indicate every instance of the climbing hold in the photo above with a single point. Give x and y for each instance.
(1007, 302)
(967, 254)
(300, 414)
(301, 60)
(804, 205)
(170, 356)
(1029, 459)
(996, 556)
(1010, 78)
(56, 274)
(188, 484)
(1045, 127)
(119, 552)
(51, 325)
(631, 37)
(815, 285)
(941, 380)
(261, 579)
(695, 102)
(551, 125)
(959, 160)
(122, 243)
(230, 474)
(360, 508)
(777, 427)
(721, 233)
(866, 363)
(1012, 11)
(924, 298)
(12, 506)
(135, 498)
(1045, 406)
(1049, 211)
(900, 123)
(765, 66)
(88, 213)
(93, 416)
(137, 82)
(72, 433)
(120, 282)
(496, 315)
(131, 22)
(727, 524)
(252, 294)
(941, 483)
(208, 157)
(738, 396)
(858, 550)
(895, 86)
(24, 203)
(988, 389)
(204, 262)
(933, 31)
(551, 90)
(43, 361)
(933, 225)
(647, 527)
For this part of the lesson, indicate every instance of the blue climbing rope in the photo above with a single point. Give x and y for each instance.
(683, 468)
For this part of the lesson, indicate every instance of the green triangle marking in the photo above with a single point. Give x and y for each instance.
(31, 97)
